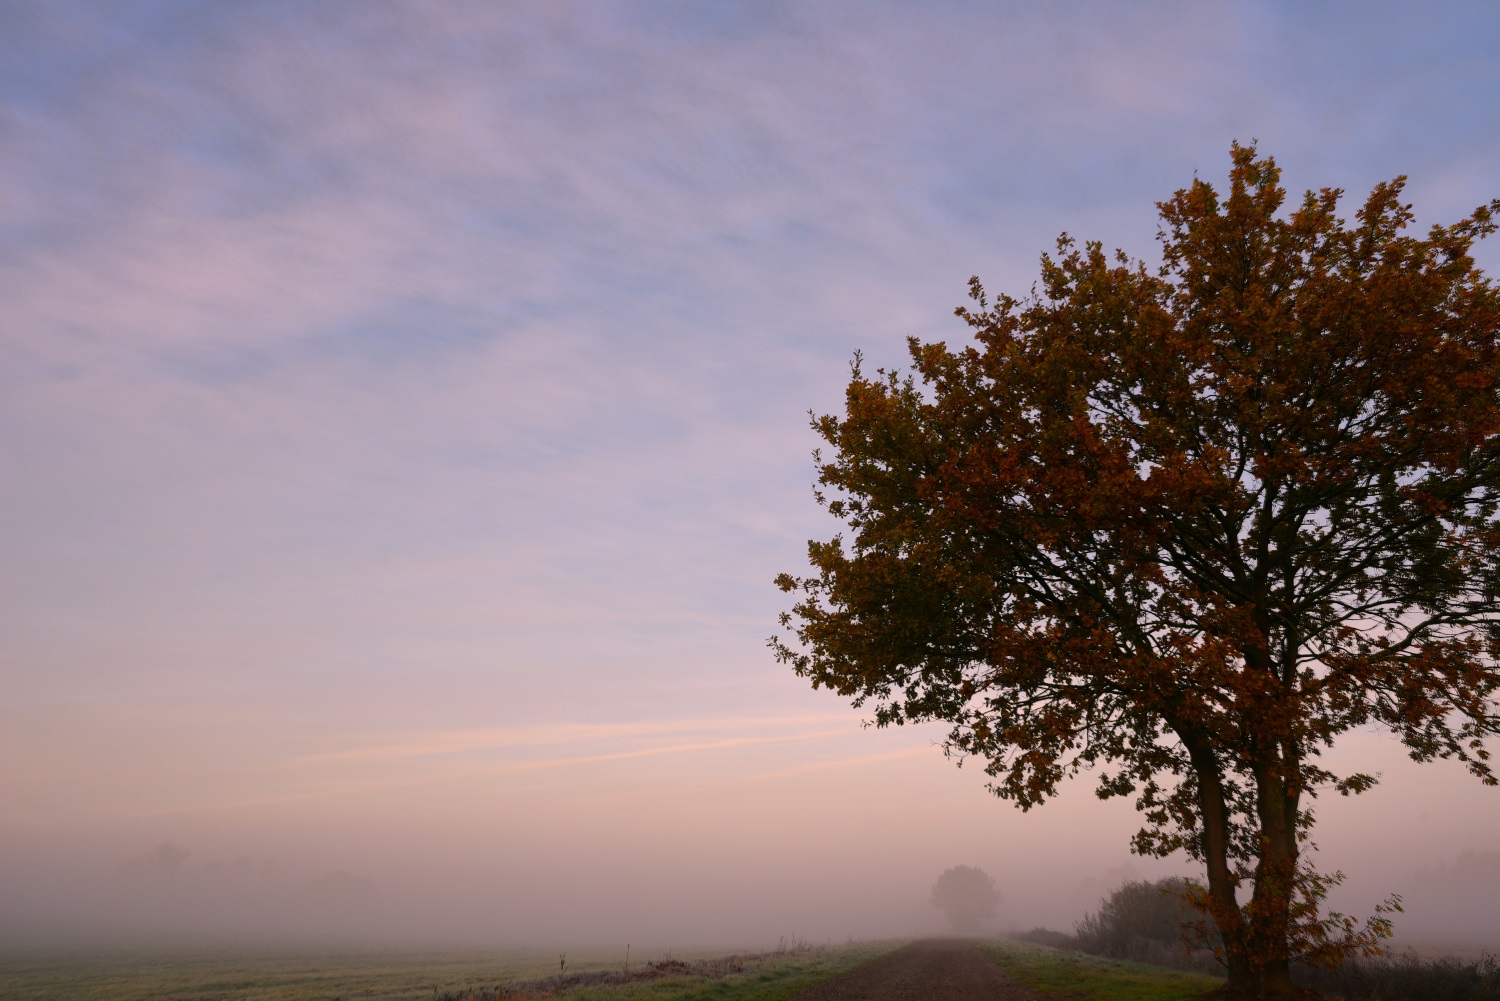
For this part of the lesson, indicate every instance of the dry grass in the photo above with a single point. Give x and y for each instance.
(1409, 977)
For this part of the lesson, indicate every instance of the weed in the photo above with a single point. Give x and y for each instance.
(1408, 976)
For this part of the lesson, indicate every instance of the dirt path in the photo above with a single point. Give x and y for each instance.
(932, 970)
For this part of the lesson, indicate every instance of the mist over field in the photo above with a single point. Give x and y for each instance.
(403, 417)
(716, 848)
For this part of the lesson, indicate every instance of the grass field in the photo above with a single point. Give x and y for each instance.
(250, 976)
(1075, 975)
(352, 976)
(686, 976)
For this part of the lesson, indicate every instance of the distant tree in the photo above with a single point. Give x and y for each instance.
(1189, 522)
(967, 895)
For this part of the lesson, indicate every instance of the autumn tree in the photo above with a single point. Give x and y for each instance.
(967, 895)
(1183, 525)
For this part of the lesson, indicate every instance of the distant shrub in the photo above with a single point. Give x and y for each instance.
(1146, 922)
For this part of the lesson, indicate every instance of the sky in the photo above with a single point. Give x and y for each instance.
(404, 414)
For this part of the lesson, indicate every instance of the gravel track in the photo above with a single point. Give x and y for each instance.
(931, 970)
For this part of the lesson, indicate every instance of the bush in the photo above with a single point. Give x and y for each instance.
(1144, 922)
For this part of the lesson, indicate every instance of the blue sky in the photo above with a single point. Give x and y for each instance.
(435, 377)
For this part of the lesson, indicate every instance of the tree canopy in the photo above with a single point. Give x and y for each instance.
(1183, 524)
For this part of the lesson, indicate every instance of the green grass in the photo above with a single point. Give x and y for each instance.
(1075, 975)
(252, 976)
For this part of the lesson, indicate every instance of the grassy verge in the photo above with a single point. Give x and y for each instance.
(766, 978)
(1075, 975)
(248, 976)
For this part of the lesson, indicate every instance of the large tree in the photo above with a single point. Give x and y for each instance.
(1184, 524)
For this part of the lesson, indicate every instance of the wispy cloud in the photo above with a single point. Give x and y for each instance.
(858, 761)
(431, 743)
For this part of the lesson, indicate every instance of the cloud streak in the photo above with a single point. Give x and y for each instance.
(444, 742)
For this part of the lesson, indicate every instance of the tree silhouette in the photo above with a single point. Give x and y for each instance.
(1187, 524)
(967, 896)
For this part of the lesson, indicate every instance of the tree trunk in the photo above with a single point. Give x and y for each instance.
(1226, 909)
(1275, 878)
